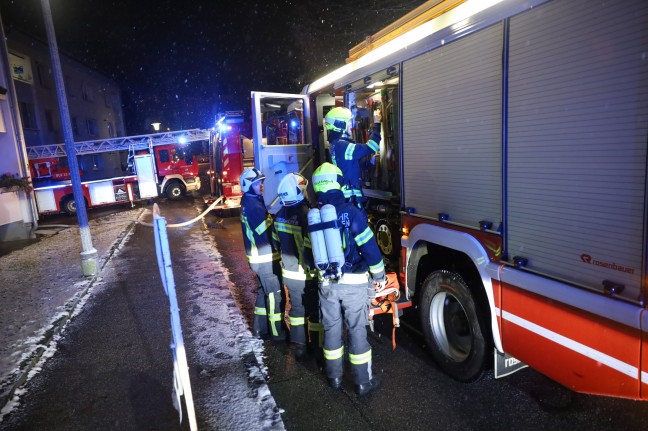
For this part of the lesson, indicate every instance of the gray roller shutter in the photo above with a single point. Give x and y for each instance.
(452, 128)
(578, 112)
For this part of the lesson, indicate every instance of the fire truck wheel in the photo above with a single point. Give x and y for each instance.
(453, 327)
(174, 191)
(68, 205)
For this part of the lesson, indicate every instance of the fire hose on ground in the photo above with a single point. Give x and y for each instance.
(188, 222)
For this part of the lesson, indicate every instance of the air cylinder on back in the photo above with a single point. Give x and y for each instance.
(333, 239)
(317, 240)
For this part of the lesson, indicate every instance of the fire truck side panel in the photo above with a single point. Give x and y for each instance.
(146, 176)
(101, 192)
(593, 346)
(537, 124)
(644, 357)
(452, 112)
(578, 113)
(46, 201)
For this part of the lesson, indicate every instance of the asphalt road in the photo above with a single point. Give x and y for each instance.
(415, 394)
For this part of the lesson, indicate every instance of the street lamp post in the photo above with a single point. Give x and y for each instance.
(88, 253)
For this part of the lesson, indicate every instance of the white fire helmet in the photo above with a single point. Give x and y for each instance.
(249, 176)
(291, 189)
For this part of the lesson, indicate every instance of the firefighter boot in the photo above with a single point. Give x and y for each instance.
(365, 388)
(335, 382)
(299, 350)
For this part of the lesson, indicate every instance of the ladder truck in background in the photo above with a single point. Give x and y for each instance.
(117, 170)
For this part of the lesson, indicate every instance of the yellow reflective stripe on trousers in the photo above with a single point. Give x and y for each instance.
(273, 317)
(297, 275)
(365, 236)
(331, 355)
(362, 358)
(260, 311)
(263, 258)
(297, 321)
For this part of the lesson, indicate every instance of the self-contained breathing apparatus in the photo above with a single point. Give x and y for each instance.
(326, 241)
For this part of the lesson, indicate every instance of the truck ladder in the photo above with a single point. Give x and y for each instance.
(139, 142)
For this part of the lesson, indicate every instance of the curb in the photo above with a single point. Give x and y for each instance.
(56, 328)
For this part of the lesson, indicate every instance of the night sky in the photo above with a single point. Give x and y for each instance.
(180, 62)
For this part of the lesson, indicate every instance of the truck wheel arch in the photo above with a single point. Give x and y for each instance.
(436, 248)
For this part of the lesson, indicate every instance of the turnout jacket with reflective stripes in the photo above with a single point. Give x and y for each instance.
(256, 224)
(290, 231)
(346, 155)
(361, 252)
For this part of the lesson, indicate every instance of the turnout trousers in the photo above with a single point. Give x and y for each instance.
(268, 309)
(304, 309)
(346, 302)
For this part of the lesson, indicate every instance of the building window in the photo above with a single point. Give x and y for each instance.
(43, 75)
(87, 93)
(49, 119)
(75, 126)
(91, 123)
(28, 116)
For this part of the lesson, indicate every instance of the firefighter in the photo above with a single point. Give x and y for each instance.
(256, 223)
(298, 270)
(346, 297)
(346, 154)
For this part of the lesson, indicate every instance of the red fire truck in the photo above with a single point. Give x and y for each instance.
(230, 152)
(117, 170)
(510, 192)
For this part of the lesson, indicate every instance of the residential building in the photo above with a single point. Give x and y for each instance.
(31, 117)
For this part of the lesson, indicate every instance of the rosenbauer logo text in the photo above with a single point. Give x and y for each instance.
(586, 258)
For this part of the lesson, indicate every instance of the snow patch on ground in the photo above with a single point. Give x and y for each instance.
(230, 389)
(42, 287)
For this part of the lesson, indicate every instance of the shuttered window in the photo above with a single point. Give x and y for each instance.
(452, 98)
(578, 112)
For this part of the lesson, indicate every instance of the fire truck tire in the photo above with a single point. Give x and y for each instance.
(453, 327)
(174, 191)
(68, 205)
